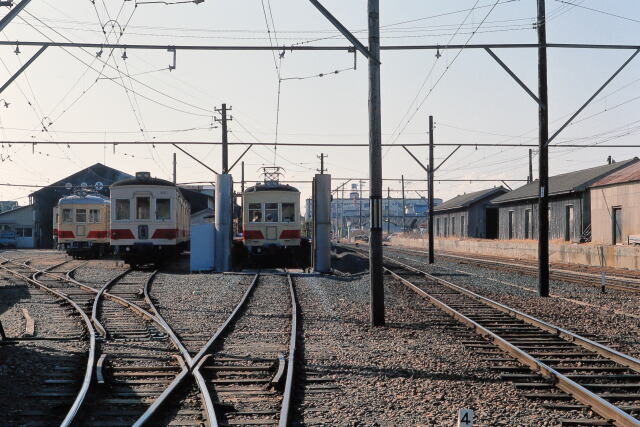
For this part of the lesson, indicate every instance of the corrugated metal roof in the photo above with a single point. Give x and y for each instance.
(571, 182)
(630, 173)
(464, 200)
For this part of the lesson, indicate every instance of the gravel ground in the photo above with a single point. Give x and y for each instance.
(604, 317)
(414, 371)
(96, 273)
(195, 305)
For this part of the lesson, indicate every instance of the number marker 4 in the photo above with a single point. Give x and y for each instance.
(465, 418)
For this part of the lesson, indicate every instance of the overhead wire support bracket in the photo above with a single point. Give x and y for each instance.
(241, 156)
(195, 158)
(426, 169)
(514, 76)
(447, 158)
(345, 32)
(597, 92)
(13, 13)
(21, 69)
(175, 57)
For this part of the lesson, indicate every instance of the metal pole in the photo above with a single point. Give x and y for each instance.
(530, 179)
(375, 169)
(225, 147)
(430, 178)
(242, 177)
(360, 207)
(388, 209)
(543, 157)
(175, 169)
(404, 226)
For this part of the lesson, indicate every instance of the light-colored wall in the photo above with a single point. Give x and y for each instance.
(603, 199)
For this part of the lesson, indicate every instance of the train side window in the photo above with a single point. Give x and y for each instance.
(122, 209)
(271, 212)
(66, 215)
(143, 207)
(94, 216)
(163, 208)
(255, 212)
(81, 215)
(288, 212)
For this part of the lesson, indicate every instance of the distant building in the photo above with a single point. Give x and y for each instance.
(353, 213)
(569, 205)
(469, 215)
(8, 205)
(21, 221)
(615, 207)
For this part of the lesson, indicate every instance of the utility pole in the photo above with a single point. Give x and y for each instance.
(430, 178)
(404, 225)
(225, 140)
(530, 179)
(175, 169)
(242, 177)
(322, 169)
(360, 207)
(375, 169)
(543, 156)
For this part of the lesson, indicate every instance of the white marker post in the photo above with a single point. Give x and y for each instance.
(465, 418)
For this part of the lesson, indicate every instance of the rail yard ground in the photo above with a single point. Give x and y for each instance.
(419, 369)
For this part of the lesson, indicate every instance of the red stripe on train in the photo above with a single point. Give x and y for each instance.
(252, 235)
(170, 233)
(63, 234)
(97, 234)
(121, 234)
(290, 234)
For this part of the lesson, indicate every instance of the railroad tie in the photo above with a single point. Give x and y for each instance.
(30, 327)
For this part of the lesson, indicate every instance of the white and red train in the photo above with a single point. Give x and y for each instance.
(146, 220)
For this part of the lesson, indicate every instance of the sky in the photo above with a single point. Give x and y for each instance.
(71, 95)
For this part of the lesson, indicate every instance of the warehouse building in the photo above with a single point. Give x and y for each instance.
(20, 222)
(469, 215)
(615, 207)
(569, 205)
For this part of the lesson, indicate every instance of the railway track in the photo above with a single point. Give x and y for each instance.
(549, 363)
(622, 283)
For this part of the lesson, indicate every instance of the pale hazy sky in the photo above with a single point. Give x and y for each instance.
(474, 101)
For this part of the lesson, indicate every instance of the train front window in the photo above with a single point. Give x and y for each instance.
(288, 212)
(163, 208)
(81, 215)
(66, 215)
(122, 209)
(271, 212)
(255, 212)
(143, 207)
(94, 216)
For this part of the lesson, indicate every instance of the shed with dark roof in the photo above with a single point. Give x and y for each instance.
(468, 215)
(569, 205)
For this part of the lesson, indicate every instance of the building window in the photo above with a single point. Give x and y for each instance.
(462, 226)
(527, 224)
(288, 212)
(568, 223)
(255, 212)
(453, 226)
(81, 215)
(66, 215)
(94, 216)
(511, 224)
(163, 208)
(617, 225)
(271, 212)
(123, 210)
(446, 227)
(437, 226)
(143, 207)
(27, 232)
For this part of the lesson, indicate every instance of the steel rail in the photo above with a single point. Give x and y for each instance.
(96, 302)
(288, 388)
(605, 409)
(204, 391)
(86, 382)
(601, 406)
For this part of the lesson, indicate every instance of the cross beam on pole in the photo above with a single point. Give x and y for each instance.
(195, 158)
(240, 157)
(514, 76)
(593, 96)
(346, 33)
(506, 185)
(13, 13)
(21, 69)
(416, 159)
(447, 158)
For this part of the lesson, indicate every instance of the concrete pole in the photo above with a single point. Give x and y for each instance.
(375, 169)
(322, 223)
(404, 224)
(223, 221)
(543, 157)
(431, 237)
(175, 169)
